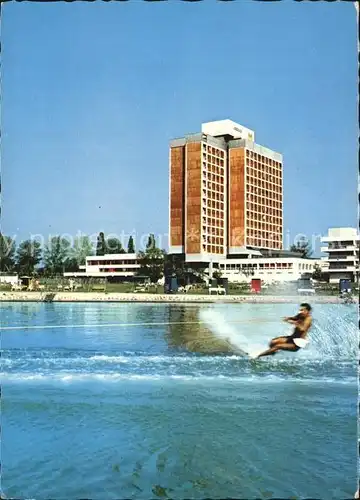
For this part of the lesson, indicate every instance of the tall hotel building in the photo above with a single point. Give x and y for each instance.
(226, 194)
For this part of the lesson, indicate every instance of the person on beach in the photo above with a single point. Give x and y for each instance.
(302, 322)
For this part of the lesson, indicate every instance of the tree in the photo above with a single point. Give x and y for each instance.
(113, 245)
(71, 264)
(174, 265)
(217, 274)
(57, 253)
(28, 256)
(7, 254)
(302, 247)
(151, 242)
(131, 245)
(82, 248)
(186, 273)
(152, 261)
(319, 275)
(101, 244)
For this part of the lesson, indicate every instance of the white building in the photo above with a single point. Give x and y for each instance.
(281, 269)
(11, 279)
(342, 253)
(123, 265)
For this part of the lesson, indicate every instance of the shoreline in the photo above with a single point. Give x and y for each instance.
(166, 298)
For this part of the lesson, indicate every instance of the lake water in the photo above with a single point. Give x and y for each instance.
(110, 401)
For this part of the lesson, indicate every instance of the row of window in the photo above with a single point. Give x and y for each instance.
(264, 219)
(264, 192)
(262, 211)
(258, 233)
(214, 222)
(214, 160)
(209, 203)
(213, 168)
(122, 270)
(261, 244)
(267, 232)
(341, 245)
(213, 151)
(254, 267)
(258, 204)
(261, 158)
(217, 217)
(110, 262)
(214, 195)
(252, 155)
(218, 188)
(210, 176)
(264, 173)
(263, 169)
(213, 240)
(213, 249)
(214, 180)
(213, 230)
(271, 187)
(264, 201)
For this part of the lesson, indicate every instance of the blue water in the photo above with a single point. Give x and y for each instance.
(163, 407)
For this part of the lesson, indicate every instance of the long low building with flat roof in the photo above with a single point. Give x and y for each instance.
(281, 269)
(122, 265)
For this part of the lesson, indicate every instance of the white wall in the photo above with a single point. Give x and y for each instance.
(224, 127)
(341, 234)
(12, 279)
(299, 267)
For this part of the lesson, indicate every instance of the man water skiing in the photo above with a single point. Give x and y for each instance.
(297, 340)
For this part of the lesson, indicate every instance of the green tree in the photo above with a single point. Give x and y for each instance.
(151, 242)
(101, 245)
(28, 256)
(113, 245)
(217, 274)
(56, 255)
(303, 247)
(175, 265)
(82, 248)
(7, 253)
(131, 245)
(152, 261)
(71, 264)
(317, 274)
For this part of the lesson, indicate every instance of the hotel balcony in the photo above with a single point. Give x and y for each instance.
(339, 269)
(342, 258)
(349, 248)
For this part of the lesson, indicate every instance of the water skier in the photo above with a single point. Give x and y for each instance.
(297, 340)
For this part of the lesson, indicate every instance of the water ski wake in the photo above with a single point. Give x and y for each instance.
(237, 342)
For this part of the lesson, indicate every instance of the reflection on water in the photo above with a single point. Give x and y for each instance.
(184, 332)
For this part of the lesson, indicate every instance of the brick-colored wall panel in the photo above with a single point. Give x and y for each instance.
(193, 195)
(177, 186)
(236, 197)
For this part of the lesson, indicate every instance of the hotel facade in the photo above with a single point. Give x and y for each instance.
(342, 249)
(226, 194)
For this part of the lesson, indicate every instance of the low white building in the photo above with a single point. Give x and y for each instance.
(125, 265)
(11, 279)
(281, 269)
(342, 253)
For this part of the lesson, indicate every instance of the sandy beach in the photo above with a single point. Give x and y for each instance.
(154, 298)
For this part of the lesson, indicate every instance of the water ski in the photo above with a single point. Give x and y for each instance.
(240, 352)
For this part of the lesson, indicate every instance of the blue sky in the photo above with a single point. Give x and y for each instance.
(93, 92)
